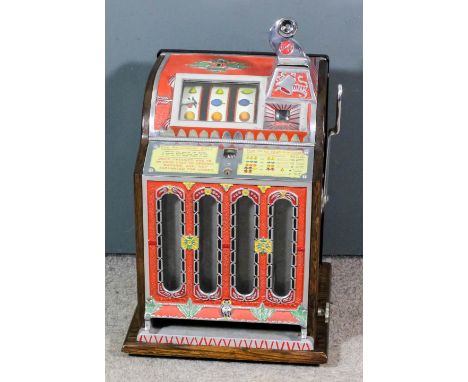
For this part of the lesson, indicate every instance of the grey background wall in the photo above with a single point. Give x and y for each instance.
(136, 30)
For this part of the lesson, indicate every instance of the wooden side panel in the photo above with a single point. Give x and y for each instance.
(138, 194)
(317, 184)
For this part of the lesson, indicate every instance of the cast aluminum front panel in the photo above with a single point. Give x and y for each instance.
(186, 299)
(227, 187)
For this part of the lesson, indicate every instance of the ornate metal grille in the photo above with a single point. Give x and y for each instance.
(160, 194)
(217, 197)
(273, 199)
(254, 197)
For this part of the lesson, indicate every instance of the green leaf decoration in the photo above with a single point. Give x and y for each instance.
(300, 314)
(189, 309)
(218, 65)
(219, 91)
(201, 64)
(262, 313)
(151, 307)
(247, 91)
(192, 90)
(236, 65)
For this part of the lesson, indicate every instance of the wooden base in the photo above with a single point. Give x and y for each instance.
(318, 356)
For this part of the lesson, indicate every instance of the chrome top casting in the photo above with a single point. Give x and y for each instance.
(288, 50)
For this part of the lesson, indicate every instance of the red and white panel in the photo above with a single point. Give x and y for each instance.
(245, 343)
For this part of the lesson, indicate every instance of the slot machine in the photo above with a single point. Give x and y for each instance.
(230, 187)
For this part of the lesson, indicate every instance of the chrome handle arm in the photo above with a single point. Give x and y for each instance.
(337, 128)
(331, 132)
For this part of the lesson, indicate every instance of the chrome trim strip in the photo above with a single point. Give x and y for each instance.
(144, 183)
(232, 141)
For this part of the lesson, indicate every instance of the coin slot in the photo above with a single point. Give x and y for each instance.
(230, 153)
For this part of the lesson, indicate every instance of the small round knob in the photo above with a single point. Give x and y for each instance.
(287, 27)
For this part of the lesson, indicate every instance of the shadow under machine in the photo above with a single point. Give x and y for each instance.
(230, 187)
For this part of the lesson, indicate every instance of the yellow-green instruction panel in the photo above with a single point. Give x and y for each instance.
(185, 159)
(273, 163)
